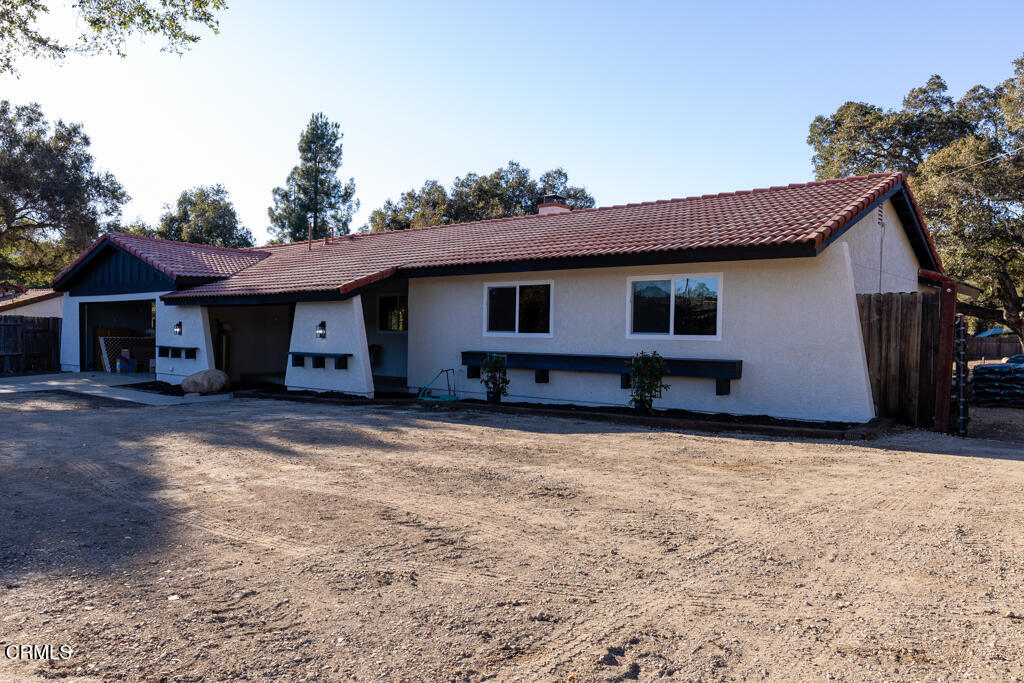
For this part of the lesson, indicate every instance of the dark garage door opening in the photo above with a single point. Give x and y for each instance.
(112, 329)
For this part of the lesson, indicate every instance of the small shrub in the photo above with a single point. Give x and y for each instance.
(646, 371)
(494, 376)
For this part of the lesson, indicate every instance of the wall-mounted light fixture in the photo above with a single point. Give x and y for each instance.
(177, 328)
(321, 330)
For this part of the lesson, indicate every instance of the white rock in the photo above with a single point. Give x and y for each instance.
(206, 382)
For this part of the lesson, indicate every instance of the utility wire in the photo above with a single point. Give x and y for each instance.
(965, 168)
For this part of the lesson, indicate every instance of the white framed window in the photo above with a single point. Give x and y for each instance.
(684, 307)
(519, 308)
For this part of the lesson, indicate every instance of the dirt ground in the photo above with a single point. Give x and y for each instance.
(269, 540)
(991, 422)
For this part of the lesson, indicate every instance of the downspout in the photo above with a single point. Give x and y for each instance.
(947, 319)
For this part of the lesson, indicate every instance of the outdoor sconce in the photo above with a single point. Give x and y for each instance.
(321, 330)
(177, 328)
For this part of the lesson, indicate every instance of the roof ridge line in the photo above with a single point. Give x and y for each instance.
(737, 193)
(235, 250)
(631, 205)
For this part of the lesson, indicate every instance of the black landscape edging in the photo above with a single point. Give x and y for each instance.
(857, 432)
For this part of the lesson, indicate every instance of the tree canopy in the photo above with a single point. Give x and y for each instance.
(313, 193)
(204, 215)
(508, 191)
(106, 26)
(964, 159)
(53, 203)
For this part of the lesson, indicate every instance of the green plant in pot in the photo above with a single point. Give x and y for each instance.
(646, 371)
(494, 376)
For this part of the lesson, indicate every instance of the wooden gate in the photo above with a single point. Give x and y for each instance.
(901, 339)
(29, 344)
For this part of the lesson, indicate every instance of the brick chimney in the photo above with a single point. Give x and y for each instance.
(553, 203)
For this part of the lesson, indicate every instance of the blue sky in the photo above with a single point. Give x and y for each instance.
(637, 101)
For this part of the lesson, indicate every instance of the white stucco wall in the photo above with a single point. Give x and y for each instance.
(882, 258)
(346, 333)
(48, 308)
(70, 348)
(793, 323)
(195, 333)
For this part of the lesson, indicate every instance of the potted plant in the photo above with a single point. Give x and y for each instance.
(495, 377)
(646, 371)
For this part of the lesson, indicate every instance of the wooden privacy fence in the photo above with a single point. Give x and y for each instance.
(901, 340)
(992, 348)
(29, 344)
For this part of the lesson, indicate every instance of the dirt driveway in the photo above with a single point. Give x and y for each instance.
(270, 540)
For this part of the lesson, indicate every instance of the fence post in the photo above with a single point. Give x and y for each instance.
(944, 380)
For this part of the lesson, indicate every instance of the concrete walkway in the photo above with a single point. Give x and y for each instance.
(105, 384)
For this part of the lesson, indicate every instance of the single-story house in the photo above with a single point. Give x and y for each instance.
(750, 296)
(33, 303)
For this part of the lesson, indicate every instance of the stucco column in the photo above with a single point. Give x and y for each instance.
(345, 333)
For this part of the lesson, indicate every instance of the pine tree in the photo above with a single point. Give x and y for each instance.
(313, 193)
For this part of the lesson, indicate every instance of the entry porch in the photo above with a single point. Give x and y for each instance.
(357, 345)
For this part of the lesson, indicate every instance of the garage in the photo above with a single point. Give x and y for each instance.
(112, 330)
(112, 307)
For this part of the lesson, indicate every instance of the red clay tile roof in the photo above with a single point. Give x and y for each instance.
(178, 260)
(805, 215)
(8, 289)
(29, 296)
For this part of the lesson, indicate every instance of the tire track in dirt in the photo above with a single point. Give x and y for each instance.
(383, 497)
(99, 479)
(476, 517)
(439, 512)
(570, 642)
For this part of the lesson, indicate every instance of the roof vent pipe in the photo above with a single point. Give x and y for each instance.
(553, 203)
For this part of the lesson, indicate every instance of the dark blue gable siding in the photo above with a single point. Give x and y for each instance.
(112, 270)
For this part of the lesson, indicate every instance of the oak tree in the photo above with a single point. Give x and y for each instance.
(106, 26)
(964, 159)
(508, 191)
(53, 203)
(204, 215)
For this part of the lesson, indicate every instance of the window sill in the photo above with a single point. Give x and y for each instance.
(525, 335)
(675, 337)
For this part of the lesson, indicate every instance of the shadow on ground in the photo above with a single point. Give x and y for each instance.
(69, 508)
(78, 488)
(995, 433)
(525, 422)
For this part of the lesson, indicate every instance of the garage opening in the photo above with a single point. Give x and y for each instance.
(250, 343)
(118, 330)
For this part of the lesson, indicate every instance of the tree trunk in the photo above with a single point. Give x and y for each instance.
(316, 198)
(1013, 306)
